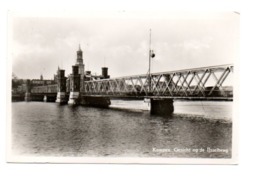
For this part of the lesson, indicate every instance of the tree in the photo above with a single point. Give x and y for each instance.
(14, 77)
(16, 81)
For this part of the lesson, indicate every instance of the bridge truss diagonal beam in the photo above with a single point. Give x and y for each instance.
(198, 82)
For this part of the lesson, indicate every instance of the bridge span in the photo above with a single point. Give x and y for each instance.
(206, 83)
(197, 83)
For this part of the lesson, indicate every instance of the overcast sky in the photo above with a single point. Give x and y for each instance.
(120, 41)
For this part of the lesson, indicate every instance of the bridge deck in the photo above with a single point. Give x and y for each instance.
(164, 97)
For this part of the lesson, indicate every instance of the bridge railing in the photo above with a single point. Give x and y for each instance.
(197, 82)
(45, 89)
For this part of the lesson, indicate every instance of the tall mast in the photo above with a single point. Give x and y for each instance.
(149, 69)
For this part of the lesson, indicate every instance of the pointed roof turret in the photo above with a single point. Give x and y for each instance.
(79, 56)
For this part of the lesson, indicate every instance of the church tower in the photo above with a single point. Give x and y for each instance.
(81, 68)
(79, 61)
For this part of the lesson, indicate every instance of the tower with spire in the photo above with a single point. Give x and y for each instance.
(80, 64)
(79, 56)
(79, 61)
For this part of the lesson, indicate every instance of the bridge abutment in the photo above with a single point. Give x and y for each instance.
(73, 98)
(61, 94)
(161, 106)
(49, 98)
(45, 98)
(61, 98)
(28, 90)
(74, 86)
(27, 96)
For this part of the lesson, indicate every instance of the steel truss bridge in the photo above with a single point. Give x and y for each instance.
(196, 83)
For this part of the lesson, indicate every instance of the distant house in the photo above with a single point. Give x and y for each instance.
(39, 82)
(42, 82)
(21, 88)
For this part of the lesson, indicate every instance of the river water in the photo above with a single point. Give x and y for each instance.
(195, 130)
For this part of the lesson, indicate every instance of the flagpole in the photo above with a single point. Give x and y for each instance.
(149, 69)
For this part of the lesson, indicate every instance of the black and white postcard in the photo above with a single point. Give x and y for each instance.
(123, 87)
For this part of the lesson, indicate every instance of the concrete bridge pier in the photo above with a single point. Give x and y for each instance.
(95, 101)
(61, 98)
(28, 90)
(27, 96)
(45, 98)
(161, 106)
(61, 95)
(74, 96)
(49, 98)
